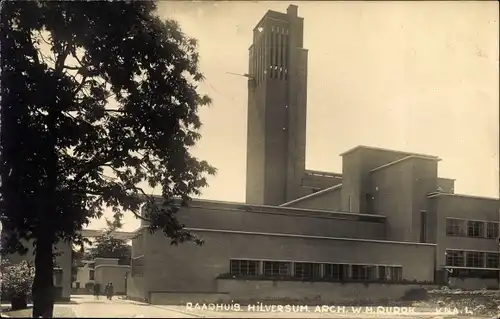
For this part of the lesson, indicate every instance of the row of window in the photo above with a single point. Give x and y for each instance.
(473, 259)
(471, 228)
(311, 271)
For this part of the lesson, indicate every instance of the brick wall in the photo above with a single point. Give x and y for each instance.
(191, 268)
(467, 208)
(232, 217)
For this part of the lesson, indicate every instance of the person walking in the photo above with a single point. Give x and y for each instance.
(97, 290)
(110, 291)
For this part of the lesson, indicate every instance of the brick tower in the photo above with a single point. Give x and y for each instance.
(277, 98)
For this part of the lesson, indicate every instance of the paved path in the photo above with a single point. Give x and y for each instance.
(88, 307)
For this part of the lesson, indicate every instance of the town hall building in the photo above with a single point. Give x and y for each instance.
(386, 222)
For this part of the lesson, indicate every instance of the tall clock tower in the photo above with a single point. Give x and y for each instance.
(277, 98)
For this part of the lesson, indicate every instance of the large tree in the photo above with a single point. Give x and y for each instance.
(99, 99)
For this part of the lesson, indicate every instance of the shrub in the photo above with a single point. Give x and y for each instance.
(17, 280)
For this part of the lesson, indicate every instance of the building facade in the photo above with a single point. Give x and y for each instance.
(386, 223)
(85, 276)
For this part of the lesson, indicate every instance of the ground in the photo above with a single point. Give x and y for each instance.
(87, 306)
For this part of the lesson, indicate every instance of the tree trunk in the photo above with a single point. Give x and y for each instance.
(43, 285)
(19, 302)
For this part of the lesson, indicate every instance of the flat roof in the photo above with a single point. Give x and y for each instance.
(311, 237)
(385, 150)
(404, 159)
(447, 179)
(242, 232)
(326, 190)
(323, 174)
(439, 194)
(248, 207)
(280, 210)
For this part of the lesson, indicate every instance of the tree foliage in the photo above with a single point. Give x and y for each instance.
(99, 99)
(108, 246)
(17, 279)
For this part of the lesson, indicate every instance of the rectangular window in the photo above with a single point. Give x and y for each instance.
(390, 273)
(333, 271)
(77, 285)
(492, 230)
(423, 228)
(455, 227)
(277, 268)
(244, 267)
(307, 270)
(455, 258)
(395, 273)
(475, 228)
(474, 259)
(91, 274)
(363, 272)
(492, 260)
(382, 272)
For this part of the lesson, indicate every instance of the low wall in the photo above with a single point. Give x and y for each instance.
(115, 274)
(181, 298)
(320, 292)
(473, 283)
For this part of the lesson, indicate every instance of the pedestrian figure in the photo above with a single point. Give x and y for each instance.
(110, 291)
(107, 289)
(97, 290)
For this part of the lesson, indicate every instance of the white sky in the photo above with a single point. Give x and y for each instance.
(412, 76)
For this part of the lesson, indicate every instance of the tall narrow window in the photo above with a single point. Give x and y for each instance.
(251, 63)
(273, 53)
(280, 50)
(283, 54)
(262, 57)
(492, 230)
(423, 226)
(286, 54)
